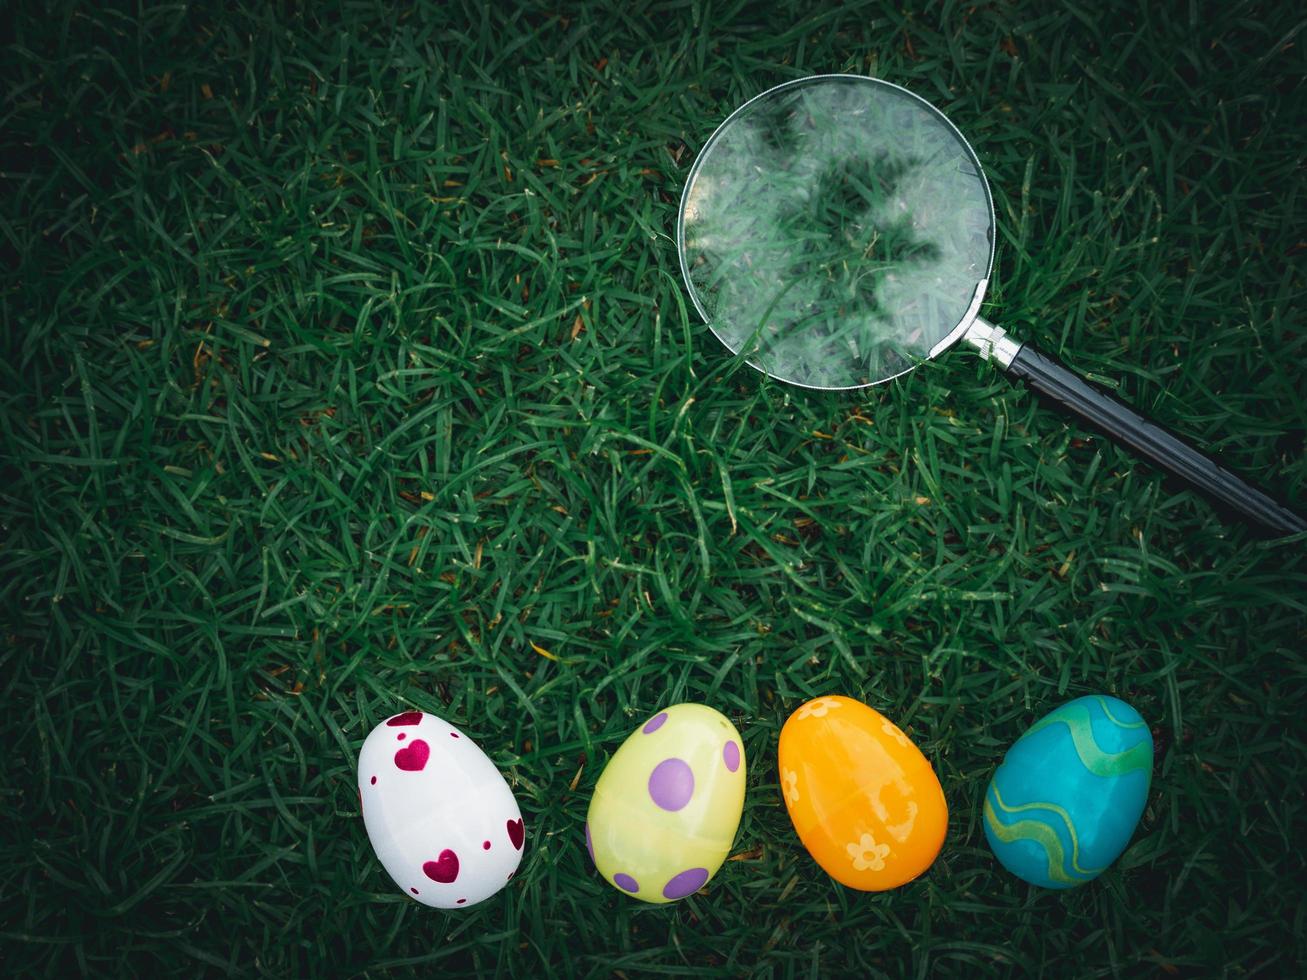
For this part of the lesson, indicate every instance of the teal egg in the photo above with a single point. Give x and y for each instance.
(1070, 792)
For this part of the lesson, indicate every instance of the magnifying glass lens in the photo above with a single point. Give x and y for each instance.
(835, 231)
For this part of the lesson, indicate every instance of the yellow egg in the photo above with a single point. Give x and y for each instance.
(864, 800)
(667, 806)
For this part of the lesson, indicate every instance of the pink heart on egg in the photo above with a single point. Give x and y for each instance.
(407, 718)
(414, 758)
(516, 833)
(443, 869)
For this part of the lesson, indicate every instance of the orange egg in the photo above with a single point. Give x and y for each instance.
(864, 800)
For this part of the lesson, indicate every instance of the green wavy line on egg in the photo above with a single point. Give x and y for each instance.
(1066, 820)
(1102, 703)
(1076, 717)
(1038, 833)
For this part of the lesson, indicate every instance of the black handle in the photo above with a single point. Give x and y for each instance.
(1077, 396)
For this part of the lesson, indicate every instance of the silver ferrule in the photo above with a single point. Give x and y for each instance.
(992, 341)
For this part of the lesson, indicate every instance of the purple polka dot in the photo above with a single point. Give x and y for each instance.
(374, 780)
(654, 723)
(485, 845)
(589, 845)
(413, 890)
(400, 737)
(731, 756)
(685, 883)
(460, 901)
(671, 784)
(626, 883)
(453, 734)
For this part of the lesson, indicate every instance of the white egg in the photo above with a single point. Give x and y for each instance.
(440, 817)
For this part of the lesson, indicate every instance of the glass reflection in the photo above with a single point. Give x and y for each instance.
(835, 231)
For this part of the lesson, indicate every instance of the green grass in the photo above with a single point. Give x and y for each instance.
(345, 358)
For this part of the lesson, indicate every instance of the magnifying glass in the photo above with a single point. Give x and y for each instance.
(836, 231)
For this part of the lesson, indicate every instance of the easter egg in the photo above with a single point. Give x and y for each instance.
(440, 817)
(863, 799)
(666, 807)
(1070, 791)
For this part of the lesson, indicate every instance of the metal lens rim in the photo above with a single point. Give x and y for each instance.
(973, 309)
